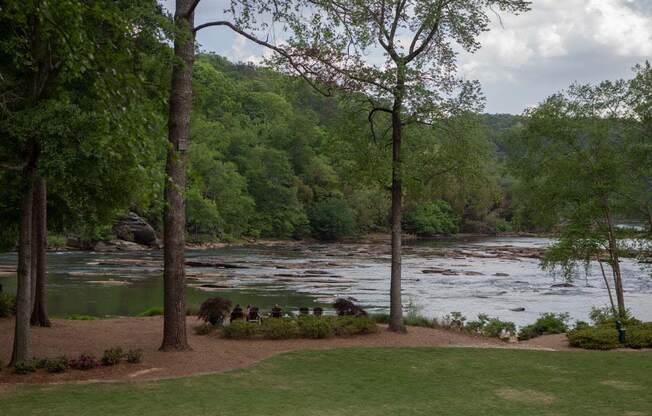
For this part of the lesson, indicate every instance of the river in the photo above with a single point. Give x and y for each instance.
(480, 275)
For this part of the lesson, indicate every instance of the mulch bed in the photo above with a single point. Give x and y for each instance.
(210, 354)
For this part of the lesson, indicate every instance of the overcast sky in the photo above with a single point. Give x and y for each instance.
(526, 58)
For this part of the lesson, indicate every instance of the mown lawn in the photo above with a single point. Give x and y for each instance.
(421, 381)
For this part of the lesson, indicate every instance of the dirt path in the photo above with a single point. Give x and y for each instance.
(210, 353)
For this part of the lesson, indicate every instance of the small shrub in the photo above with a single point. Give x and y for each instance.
(594, 338)
(240, 330)
(57, 365)
(214, 310)
(315, 327)
(84, 362)
(134, 356)
(491, 327)
(39, 363)
(346, 307)
(455, 321)
(112, 356)
(7, 305)
(354, 325)
(547, 323)
(581, 325)
(280, 328)
(605, 316)
(155, 311)
(24, 367)
(204, 329)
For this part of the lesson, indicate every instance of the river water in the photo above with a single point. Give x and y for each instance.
(463, 275)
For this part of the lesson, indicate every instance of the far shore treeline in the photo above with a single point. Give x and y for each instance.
(271, 158)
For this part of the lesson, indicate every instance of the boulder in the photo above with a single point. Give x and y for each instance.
(563, 285)
(133, 228)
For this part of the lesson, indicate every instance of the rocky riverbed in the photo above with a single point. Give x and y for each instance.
(498, 276)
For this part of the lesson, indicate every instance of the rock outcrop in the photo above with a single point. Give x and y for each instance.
(133, 228)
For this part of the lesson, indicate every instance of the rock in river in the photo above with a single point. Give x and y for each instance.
(133, 228)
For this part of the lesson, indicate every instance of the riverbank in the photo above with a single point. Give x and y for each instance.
(210, 354)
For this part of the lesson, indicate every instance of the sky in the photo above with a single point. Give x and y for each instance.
(523, 58)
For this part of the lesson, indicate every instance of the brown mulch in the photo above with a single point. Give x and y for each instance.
(210, 354)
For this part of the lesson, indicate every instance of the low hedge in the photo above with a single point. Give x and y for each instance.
(605, 337)
(546, 324)
(301, 327)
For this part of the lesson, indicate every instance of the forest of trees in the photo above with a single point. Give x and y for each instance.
(269, 157)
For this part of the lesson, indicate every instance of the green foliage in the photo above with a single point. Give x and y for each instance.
(112, 356)
(240, 330)
(414, 319)
(57, 365)
(134, 356)
(331, 219)
(153, 311)
(547, 323)
(431, 218)
(312, 327)
(605, 336)
(25, 367)
(348, 326)
(455, 321)
(491, 327)
(605, 317)
(280, 328)
(316, 327)
(7, 305)
(595, 338)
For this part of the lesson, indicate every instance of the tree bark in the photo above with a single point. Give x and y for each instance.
(39, 253)
(174, 316)
(396, 305)
(615, 261)
(20, 351)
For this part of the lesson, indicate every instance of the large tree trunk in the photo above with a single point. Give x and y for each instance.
(20, 351)
(39, 253)
(396, 305)
(615, 262)
(174, 317)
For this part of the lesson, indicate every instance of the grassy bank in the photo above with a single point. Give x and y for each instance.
(373, 382)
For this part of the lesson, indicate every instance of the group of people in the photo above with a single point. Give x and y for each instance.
(252, 313)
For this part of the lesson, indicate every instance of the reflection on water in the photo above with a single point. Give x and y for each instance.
(475, 276)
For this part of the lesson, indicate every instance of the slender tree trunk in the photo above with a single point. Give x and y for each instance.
(20, 351)
(606, 282)
(174, 317)
(39, 253)
(615, 261)
(396, 305)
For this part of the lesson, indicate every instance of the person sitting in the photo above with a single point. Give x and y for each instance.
(317, 311)
(237, 313)
(304, 311)
(253, 315)
(277, 312)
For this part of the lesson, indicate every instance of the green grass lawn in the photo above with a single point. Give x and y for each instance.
(421, 381)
